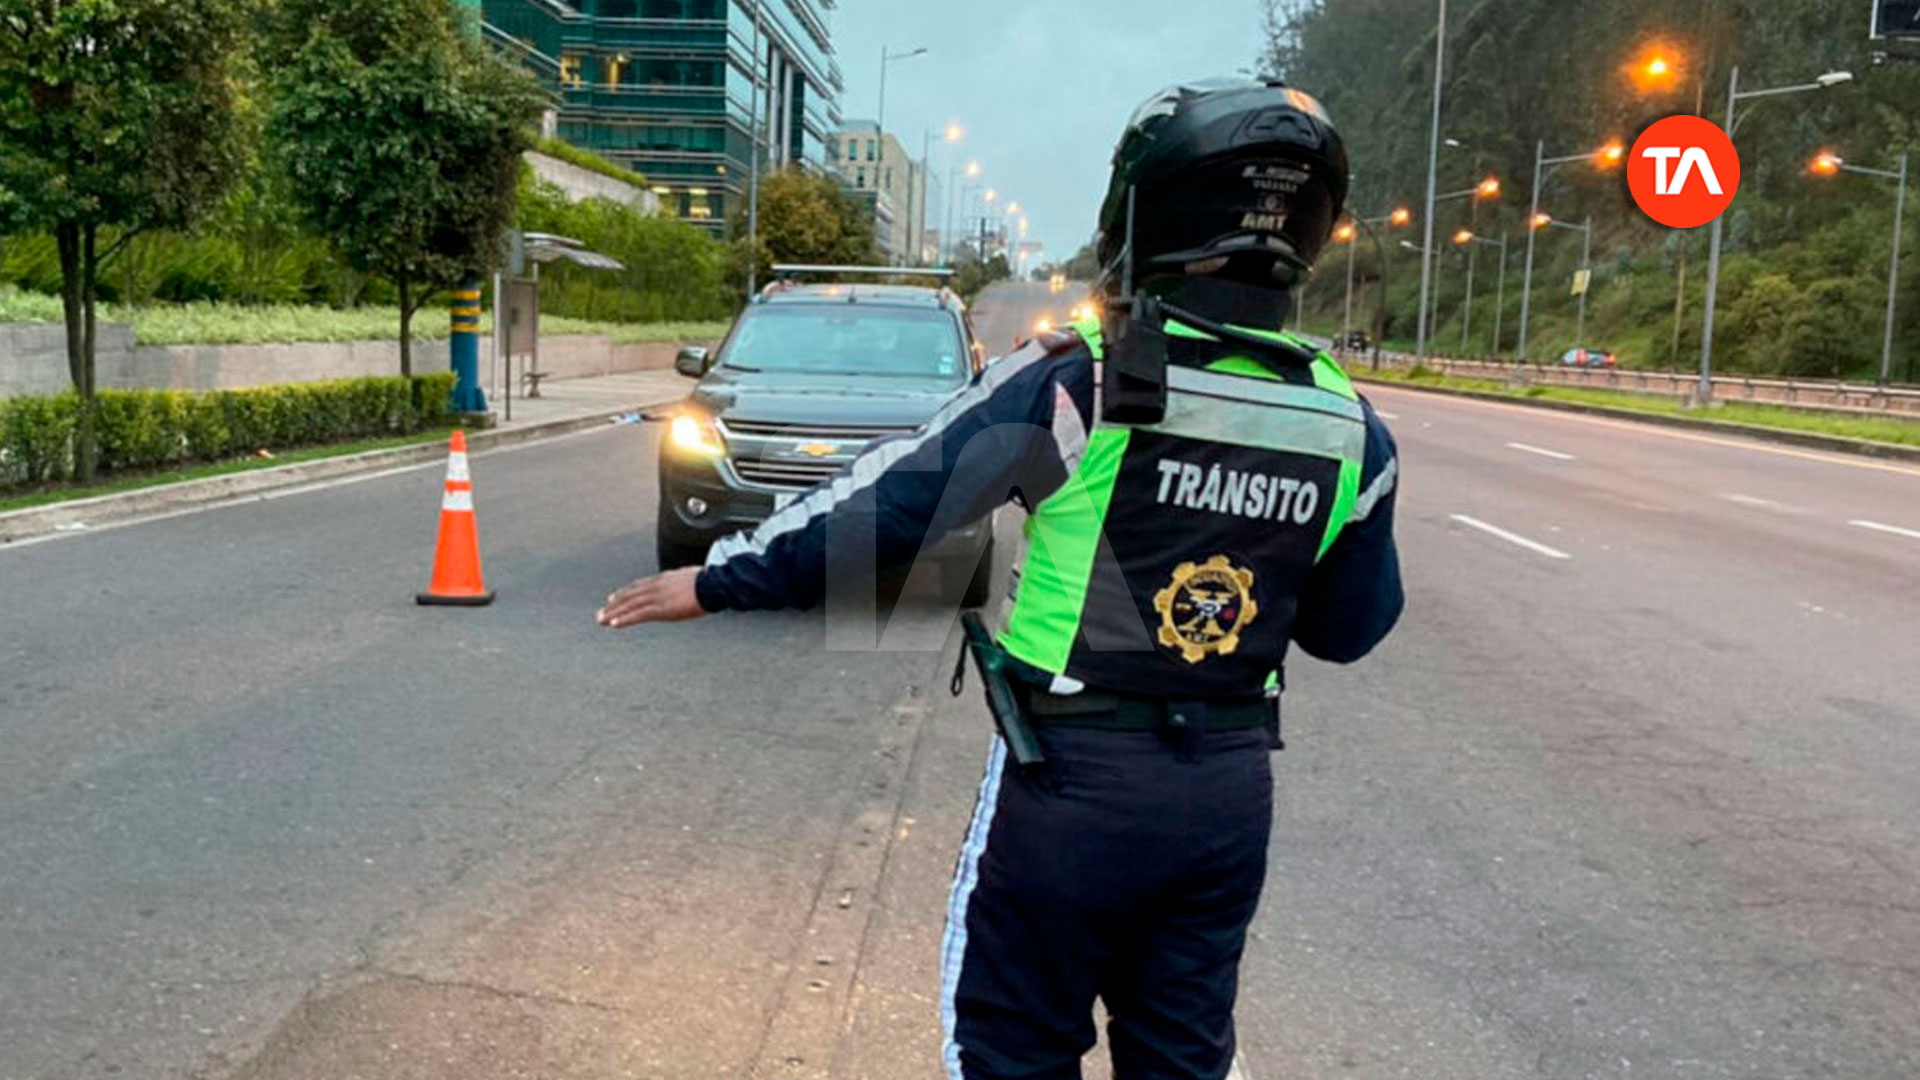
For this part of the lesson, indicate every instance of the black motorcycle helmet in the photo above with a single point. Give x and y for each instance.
(1226, 178)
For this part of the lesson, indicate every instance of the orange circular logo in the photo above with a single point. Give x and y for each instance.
(1684, 172)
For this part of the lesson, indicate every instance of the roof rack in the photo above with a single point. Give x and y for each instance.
(879, 271)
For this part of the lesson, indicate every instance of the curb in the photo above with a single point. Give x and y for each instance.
(1808, 439)
(80, 514)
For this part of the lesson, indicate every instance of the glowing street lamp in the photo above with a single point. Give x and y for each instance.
(1546, 221)
(1467, 238)
(1657, 68)
(1606, 157)
(1489, 188)
(1827, 163)
(1348, 233)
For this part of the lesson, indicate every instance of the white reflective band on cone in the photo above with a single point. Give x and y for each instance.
(457, 468)
(460, 500)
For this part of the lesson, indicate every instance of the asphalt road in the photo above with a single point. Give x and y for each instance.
(1630, 793)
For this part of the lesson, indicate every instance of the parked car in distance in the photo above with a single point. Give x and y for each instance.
(1355, 341)
(1588, 358)
(808, 377)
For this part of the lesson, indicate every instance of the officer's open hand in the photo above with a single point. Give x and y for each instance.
(669, 597)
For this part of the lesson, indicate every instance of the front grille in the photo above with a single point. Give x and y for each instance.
(861, 433)
(787, 474)
(794, 456)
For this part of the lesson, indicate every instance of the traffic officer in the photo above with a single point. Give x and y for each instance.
(1202, 491)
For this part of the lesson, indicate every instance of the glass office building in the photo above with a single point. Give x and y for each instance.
(665, 87)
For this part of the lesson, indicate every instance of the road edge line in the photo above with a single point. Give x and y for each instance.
(37, 521)
(1808, 439)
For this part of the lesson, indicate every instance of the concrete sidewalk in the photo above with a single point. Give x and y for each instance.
(592, 398)
(563, 408)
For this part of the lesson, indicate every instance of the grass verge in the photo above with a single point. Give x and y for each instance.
(1873, 428)
(60, 493)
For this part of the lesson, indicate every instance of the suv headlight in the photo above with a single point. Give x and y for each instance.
(696, 435)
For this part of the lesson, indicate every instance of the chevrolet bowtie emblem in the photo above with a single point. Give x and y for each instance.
(817, 449)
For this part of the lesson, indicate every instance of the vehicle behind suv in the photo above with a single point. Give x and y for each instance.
(1588, 358)
(809, 377)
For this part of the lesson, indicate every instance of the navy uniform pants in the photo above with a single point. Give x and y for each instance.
(1128, 873)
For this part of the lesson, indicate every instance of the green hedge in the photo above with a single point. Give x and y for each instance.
(151, 429)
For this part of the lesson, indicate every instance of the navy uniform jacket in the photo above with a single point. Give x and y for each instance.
(994, 443)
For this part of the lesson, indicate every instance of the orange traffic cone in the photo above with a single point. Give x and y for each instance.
(456, 559)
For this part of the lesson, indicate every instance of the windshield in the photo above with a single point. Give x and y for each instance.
(849, 339)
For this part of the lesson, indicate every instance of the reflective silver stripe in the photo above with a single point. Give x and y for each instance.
(1381, 487)
(869, 467)
(458, 501)
(1266, 391)
(1264, 426)
(966, 874)
(1069, 431)
(457, 467)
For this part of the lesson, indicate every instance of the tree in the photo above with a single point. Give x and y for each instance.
(806, 218)
(116, 117)
(400, 135)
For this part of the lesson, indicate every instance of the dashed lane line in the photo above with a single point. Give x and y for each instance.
(1892, 529)
(1511, 537)
(1543, 452)
(1764, 504)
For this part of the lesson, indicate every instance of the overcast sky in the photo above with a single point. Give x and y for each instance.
(1041, 86)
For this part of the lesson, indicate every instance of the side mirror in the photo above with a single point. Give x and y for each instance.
(692, 362)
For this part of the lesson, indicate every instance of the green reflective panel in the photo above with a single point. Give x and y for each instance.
(1343, 501)
(1064, 535)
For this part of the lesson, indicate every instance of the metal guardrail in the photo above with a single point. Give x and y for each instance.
(1825, 395)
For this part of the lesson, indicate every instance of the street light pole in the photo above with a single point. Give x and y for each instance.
(1526, 282)
(1500, 297)
(887, 56)
(753, 169)
(1893, 275)
(1466, 314)
(1433, 179)
(1346, 320)
(1607, 156)
(1586, 285)
(1703, 393)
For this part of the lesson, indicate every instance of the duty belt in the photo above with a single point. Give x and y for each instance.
(1125, 712)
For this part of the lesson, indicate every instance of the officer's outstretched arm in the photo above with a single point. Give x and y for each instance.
(1354, 596)
(1001, 435)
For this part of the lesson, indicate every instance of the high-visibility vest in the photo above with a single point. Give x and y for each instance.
(1172, 560)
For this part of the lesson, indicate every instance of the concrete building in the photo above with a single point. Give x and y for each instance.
(666, 87)
(875, 164)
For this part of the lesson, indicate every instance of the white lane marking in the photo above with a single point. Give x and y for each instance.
(1764, 504)
(1663, 432)
(1236, 1073)
(1384, 416)
(1510, 537)
(1554, 454)
(1878, 527)
(79, 529)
